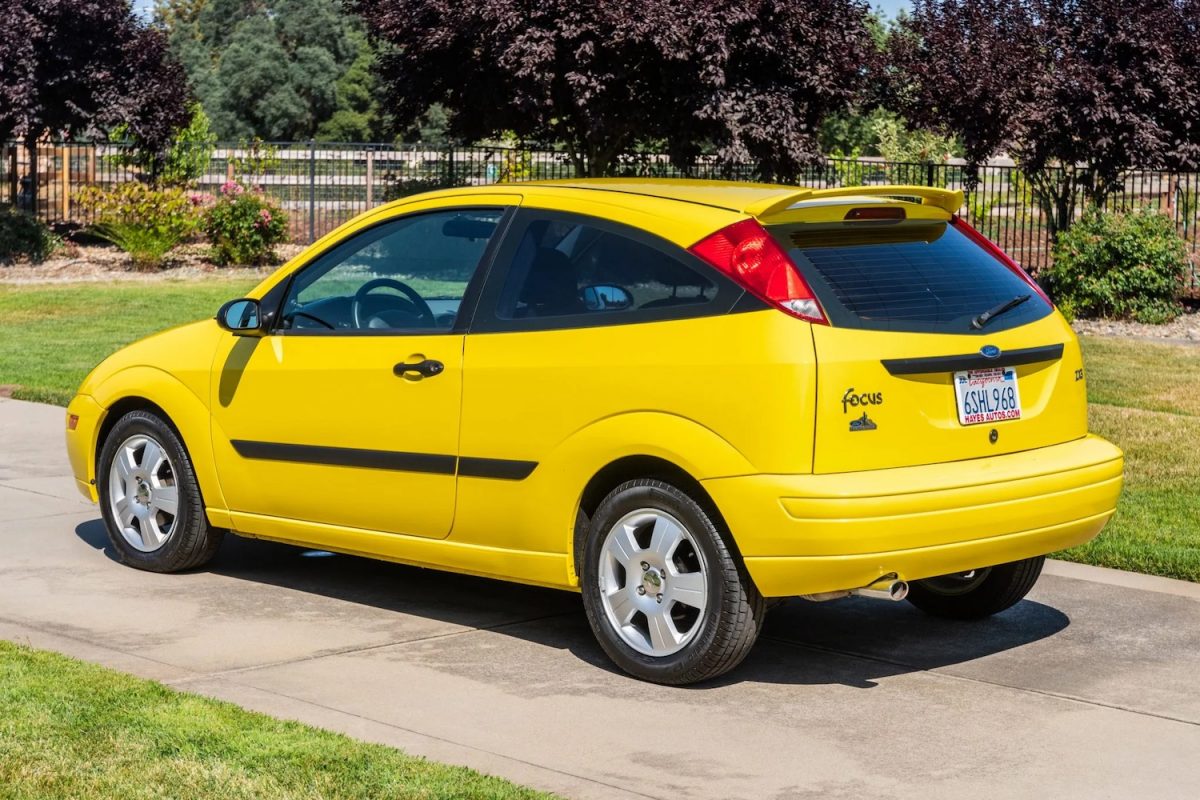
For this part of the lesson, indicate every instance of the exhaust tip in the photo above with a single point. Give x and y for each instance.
(888, 587)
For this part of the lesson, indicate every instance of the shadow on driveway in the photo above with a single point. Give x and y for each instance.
(852, 642)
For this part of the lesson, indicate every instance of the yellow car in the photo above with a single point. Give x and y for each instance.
(680, 398)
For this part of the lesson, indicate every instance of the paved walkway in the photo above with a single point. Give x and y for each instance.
(1088, 689)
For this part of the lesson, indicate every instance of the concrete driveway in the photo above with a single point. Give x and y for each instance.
(1090, 688)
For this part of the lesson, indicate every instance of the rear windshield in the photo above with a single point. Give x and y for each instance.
(915, 275)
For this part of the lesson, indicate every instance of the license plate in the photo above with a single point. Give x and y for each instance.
(987, 395)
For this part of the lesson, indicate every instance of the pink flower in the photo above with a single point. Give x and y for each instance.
(232, 188)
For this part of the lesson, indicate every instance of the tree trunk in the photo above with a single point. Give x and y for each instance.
(1055, 196)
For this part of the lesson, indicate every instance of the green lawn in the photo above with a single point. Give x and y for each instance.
(52, 335)
(75, 730)
(1145, 397)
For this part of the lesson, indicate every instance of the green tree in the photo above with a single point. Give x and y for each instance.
(356, 117)
(278, 69)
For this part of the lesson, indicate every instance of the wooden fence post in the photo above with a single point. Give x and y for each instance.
(370, 178)
(64, 154)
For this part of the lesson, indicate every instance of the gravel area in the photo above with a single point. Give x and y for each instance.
(77, 263)
(1185, 328)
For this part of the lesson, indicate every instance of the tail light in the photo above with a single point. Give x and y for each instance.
(746, 253)
(1003, 257)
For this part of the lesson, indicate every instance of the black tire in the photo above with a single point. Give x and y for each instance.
(191, 541)
(734, 611)
(996, 589)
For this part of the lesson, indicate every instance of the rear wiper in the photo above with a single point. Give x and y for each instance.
(992, 313)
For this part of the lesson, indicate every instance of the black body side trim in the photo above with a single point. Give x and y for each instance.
(346, 457)
(435, 463)
(1008, 358)
(501, 468)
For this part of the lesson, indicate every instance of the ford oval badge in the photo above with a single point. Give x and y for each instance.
(989, 351)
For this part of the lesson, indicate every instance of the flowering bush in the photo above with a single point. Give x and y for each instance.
(143, 221)
(244, 225)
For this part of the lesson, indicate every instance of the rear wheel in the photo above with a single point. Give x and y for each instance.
(150, 499)
(978, 593)
(666, 597)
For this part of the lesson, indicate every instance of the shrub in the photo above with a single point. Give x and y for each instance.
(145, 222)
(25, 236)
(184, 161)
(244, 226)
(1119, 265)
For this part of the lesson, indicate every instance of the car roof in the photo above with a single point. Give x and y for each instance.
(735, 196)
(757, 199)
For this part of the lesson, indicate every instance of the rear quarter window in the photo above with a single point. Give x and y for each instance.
(917, 276)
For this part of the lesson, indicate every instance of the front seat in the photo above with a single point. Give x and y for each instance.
(551, 288)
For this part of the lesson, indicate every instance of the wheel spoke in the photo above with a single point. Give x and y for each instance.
(148, 529)
(152, 457)
(623, 607)
(663, 635)
(688, 588)
(124, 463)
(621, 545)
(665, 538)
(123, 511)
(166, 499)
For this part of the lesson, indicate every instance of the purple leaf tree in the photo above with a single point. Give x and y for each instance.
(1078, 91)
(74, 68)
(750, 80)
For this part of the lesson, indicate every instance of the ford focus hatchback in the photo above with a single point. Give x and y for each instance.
(679, 398)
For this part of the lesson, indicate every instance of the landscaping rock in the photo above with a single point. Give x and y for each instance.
(1185, 327)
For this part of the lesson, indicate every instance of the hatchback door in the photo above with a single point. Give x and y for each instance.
(937, 350)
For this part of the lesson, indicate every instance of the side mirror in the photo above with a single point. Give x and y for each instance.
(605, 298)
(242, 317)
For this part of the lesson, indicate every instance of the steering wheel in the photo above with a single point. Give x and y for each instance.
(423, 309)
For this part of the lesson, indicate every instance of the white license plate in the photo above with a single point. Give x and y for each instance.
(987, 395)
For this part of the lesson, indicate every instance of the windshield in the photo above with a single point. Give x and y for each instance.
(916, 276)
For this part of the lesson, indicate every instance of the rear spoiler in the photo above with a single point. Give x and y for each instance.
(948, 200)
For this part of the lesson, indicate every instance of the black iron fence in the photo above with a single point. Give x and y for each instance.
(322, 184)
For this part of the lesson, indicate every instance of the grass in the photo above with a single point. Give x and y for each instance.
(54, 334)
(1145, 397)
(71, 729)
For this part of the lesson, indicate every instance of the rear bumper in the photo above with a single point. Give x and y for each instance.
(801, 534)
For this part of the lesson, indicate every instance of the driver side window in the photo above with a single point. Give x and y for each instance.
(406, 274)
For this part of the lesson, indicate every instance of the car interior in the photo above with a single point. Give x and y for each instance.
(564, 268)
(407, 274)
(411, 274)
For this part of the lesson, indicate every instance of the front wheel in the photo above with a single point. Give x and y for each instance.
(978, 593)
(666, 597)
(150, 498)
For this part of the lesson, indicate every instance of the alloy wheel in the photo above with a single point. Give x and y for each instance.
(142, 494)
(653, 582)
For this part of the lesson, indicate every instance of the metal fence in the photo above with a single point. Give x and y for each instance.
(322, 185)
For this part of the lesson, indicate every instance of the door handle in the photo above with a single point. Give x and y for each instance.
(426, 369)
